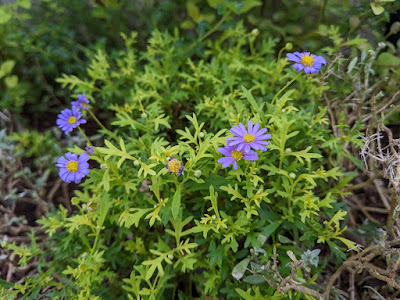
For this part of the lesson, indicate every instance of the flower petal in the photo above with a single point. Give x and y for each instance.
(293, 57)
(298, 67)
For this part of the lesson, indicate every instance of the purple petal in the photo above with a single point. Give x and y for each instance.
(241, 146)
(228, 162)
(320, 60)
(308, 70)
(235, 165)
(250, 127)
(255, 146)
(224, 151)
(247, 148)
(263, 137)
(83, 157)
(298, 67)
(298, 54)
(242, 128)
(250, 156)
(293, 57)
(262, 142)
(236, 131)
(255, 128)
(236, 141)
(261, 132)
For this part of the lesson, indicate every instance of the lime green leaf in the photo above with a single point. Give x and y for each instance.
(7, 66)
(377, 9)
(176, 202)
(5, 16)
(11, 81)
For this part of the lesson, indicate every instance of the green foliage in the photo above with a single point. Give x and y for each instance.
(153, 231)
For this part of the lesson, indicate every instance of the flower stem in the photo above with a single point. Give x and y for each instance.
(85, 136)
(285, 87)
(101, 125)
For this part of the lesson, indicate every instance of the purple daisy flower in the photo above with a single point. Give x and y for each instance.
(69, 119)
(90, 150)
(233, 155)
(311, 63)
(81, 103)
(174, 166)
(72, 167)
(250, 138)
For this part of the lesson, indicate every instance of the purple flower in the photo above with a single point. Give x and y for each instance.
(69, 119)
(90, 150)
(72, 167)
(311, 63)
(250, 138)
(174, 166)
(81, 103)
(233, 155)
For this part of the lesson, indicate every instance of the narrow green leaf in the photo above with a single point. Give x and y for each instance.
(176, 202)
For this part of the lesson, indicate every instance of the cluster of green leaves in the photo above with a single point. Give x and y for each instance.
(42, 40)
(155, 234)
(141, 233)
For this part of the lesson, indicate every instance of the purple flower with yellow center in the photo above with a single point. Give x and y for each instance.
(233, 156)
(73, 167)
(69, 119)
(250, 138)
(174, 166)
(311, 63)
(81, 103)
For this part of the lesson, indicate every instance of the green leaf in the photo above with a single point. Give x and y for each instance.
(7, 66)
(388, 59)
(252, 102)
(254, 279)
(377, 9)
(176, 202)
(130, 219)
(105, 205)
(249, 4)
(105, 182)
(270, 229)
(24, 3)
(11, 81)
(193, 11)
(240, 268)
(5, 16)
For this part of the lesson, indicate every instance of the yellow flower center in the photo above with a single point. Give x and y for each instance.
(249, 138)
(174, 166)
(237, 155)
(84, 104)
(307, 61)
(72, 120)
(72, 166)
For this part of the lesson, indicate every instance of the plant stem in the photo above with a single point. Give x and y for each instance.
(101, 125)
(85, 136)
(285, 87)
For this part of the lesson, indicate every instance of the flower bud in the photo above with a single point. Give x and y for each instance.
(197, 173)
(201, 134)
(103, 166)
(144, 115)
(395, 28)
(289, 46)
(255, 32)
(136, 162)
(92, 205)
(170, 256)
(288, 150)
(292, 175)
